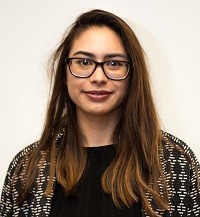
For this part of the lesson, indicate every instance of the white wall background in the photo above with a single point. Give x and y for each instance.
(29, 30)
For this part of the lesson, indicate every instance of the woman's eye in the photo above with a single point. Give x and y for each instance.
(84, 62)
(114, 63)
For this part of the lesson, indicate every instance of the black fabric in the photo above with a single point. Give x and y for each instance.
(89, 199)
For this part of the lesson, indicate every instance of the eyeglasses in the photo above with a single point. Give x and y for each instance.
(83, 68)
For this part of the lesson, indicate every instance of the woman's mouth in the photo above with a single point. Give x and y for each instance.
(98, 95)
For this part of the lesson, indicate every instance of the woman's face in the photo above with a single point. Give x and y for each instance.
(97, 95)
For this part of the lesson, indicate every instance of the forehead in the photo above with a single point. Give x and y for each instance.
(98, 40)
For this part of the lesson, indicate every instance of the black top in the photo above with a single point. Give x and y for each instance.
(90, 199)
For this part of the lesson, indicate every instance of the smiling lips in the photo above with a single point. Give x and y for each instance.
(98, 94)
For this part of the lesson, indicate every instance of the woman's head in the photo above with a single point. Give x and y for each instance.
(138, 76)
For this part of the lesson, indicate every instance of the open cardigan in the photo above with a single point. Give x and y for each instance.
(179, 168)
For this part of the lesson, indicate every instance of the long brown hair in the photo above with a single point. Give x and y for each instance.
(136, 168)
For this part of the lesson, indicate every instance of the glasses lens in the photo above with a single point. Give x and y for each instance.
(117, 70)
(81, 67)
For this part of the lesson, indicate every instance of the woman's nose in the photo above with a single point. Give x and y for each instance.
(98, 75)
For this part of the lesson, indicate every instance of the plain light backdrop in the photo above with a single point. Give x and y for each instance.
(169, 32)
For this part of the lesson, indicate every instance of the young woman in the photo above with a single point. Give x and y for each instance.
(102, 152)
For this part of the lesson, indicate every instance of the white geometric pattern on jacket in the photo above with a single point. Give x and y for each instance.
(181, 178)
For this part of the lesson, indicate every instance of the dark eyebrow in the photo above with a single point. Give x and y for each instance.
(84, 53)
(111, 55)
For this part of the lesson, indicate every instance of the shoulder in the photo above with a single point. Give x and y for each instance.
(20, 156)
(177, 150)
(10, 190)
(179, 161)
(25, 151)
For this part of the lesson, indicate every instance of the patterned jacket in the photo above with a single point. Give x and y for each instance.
(179, 168)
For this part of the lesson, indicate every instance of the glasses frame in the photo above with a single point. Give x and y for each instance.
(67, 60)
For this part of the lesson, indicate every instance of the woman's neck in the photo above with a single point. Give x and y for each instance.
(97, 130)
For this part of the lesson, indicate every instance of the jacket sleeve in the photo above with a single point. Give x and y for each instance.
(6, 203)
(183, 171)
(9, 195)
(194, 194)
